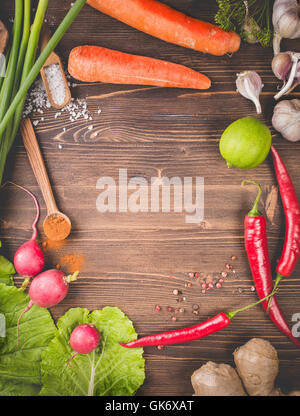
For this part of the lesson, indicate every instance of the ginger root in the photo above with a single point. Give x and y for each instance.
(256, 371)
(217, 380)
(257, 365)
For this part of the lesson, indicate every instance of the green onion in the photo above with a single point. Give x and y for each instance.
(30, 57)
(8, 82)
(53, 42)
(26, 69)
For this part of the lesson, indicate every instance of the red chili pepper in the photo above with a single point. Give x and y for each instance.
(291, 249)
(215, 324)
(258, 254)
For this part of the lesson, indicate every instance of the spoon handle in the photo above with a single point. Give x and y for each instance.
(37, 164)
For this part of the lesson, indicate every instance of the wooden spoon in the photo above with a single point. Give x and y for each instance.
(3, 37)
(53, 59)
(61, 224)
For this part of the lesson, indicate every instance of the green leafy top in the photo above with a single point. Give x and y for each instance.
(7, 271)
(111, 370)
(20, 372)
(254, 26)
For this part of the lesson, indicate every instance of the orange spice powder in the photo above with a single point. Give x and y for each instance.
(53, 245)
(71, 262)
(56, 227)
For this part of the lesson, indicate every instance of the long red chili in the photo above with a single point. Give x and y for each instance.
(258, 255)
(291, 249)
(215, 324)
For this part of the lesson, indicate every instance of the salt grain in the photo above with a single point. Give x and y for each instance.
(37, 101)
(56, 83)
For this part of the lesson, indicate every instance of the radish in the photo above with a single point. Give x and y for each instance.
(29, 258)
(84, 339)
(47, 290)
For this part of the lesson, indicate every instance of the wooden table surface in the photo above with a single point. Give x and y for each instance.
(159, 132)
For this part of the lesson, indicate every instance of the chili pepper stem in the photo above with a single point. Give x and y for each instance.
(231, 315)
(277, 281)
(279, 277)
(254, 211)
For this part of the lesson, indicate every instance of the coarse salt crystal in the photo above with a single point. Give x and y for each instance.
(56, 83)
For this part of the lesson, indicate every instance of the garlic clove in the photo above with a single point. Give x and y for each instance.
(249, 85)
(281, 65)
(292, 78)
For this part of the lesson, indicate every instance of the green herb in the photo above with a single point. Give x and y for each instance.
(20, 371)
(251, 19)
(111, 370)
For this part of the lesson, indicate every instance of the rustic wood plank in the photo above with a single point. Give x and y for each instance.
(159, 132)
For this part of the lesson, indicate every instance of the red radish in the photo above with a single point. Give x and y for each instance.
(47, 290)
(29, 258)
(84, 339)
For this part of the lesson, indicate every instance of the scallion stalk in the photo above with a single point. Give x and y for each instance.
(30, 58)
(8, 82)
(10, 123)
(53, 42)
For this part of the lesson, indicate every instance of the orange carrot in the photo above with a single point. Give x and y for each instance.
(163, 22)
(96, 64)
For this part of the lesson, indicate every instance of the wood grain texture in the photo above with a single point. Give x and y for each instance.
(159, 132)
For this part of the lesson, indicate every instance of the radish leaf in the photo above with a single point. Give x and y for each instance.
(110, 370)
(20, 372)
(7, 271)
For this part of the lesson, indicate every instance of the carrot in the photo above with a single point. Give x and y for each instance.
(96, 64)
(163, 22)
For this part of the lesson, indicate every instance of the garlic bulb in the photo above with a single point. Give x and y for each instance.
(249, 85)
(286, 119)
(286, 21)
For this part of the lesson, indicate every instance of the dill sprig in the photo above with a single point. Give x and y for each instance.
(251, 19)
